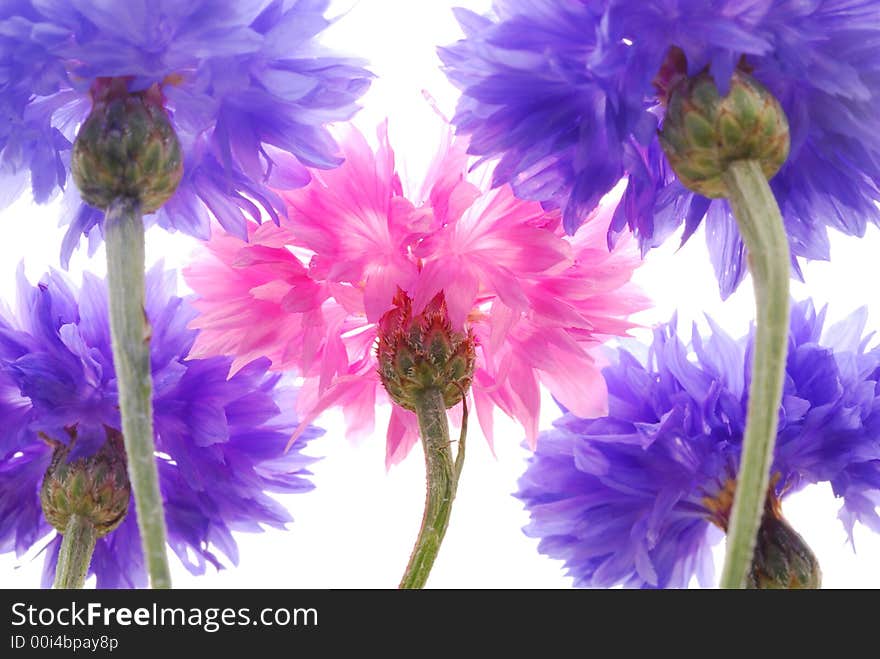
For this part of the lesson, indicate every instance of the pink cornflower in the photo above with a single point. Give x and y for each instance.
(309, 294)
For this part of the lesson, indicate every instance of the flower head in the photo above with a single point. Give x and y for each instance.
(220, 442)
(310, 294)
(570, 95)
(247, 85)
(419, 352)
(638, 497)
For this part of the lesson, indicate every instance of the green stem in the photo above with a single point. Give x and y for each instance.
(442, 476)
(77, 547)
(760, 224)
(130, 330)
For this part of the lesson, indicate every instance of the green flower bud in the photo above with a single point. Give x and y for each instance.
(95, 488)
(703, 132)
(422, 352)
(126, 148)
(782, 559)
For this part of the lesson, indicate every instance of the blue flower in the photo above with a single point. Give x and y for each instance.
(220, 442)
(638, 497)
(246, 83)
(564, 93)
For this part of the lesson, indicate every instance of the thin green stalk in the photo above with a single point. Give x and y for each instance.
(75, 555)
(760, 224)
(442, 482)
(130, 329)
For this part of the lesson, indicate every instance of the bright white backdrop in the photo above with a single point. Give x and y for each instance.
(356, 529)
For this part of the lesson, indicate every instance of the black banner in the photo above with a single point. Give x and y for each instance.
(131, 623)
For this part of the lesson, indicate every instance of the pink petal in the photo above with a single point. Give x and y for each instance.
(402, 435)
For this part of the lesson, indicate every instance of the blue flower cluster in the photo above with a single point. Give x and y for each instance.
(247, 84)
(637, 497)
(565, 94)
(57, 376)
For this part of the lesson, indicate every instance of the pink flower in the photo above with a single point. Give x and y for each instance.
(309, 294)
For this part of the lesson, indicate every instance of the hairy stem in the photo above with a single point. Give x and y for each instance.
(75, 555)
(760, 224)
(442, 476)
(130, 330)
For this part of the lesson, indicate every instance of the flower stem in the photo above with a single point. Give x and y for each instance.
(77, 547)
(442, 476)
(130, 330)
(760, 224)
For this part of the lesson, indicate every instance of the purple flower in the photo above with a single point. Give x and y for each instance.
(638, 497)
(246, 83)
(564, 93)
(220, 442)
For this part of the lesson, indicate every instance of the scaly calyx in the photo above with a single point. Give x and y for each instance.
(422, 351)
(84, 499)
(96, 487)
(704, 132)
(126, 148)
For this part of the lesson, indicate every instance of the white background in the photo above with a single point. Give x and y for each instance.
(356, 529)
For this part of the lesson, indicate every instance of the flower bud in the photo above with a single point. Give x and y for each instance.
(126, 148)
(782, 559)
(95, 488)
(702, 132)
(421, 352)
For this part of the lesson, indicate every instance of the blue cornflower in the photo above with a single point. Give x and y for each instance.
(220, 442)
(570, 96)
(638, 497)
(247, 85)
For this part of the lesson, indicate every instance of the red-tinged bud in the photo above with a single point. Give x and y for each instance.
(419, 352)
